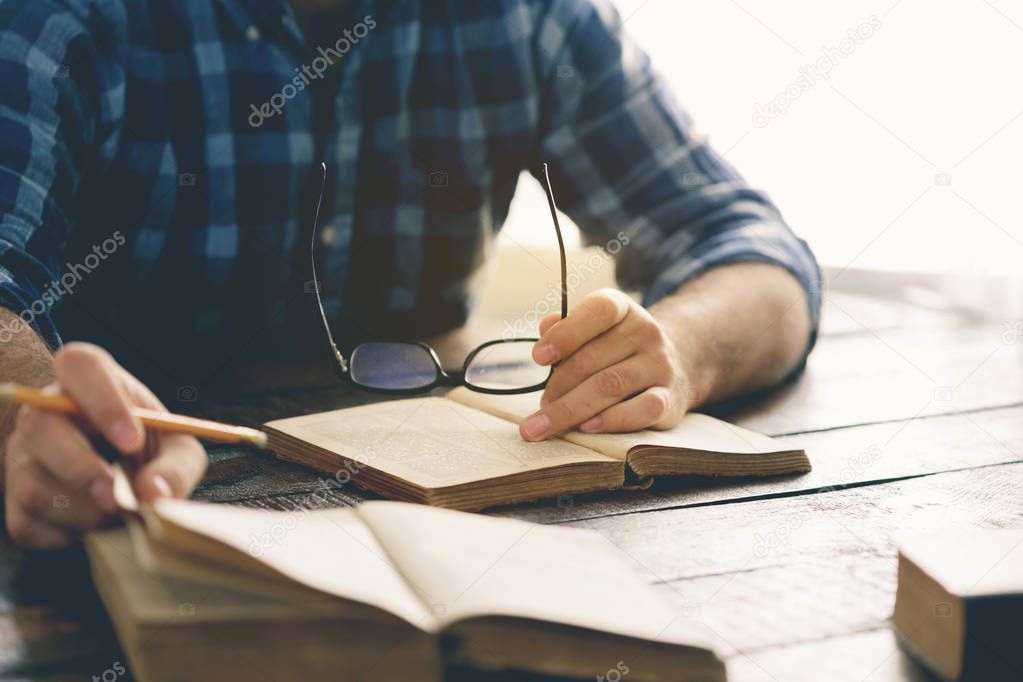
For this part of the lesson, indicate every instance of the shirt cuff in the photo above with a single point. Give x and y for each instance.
(756, 242)
(32, 311)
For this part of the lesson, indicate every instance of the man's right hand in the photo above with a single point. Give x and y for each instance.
(56, 483)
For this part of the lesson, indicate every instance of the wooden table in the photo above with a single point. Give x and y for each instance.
(911, 409)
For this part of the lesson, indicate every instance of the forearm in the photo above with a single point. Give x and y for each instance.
(737, 328)
(24, 358)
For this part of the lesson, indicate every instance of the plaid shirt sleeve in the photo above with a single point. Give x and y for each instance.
(54, 105)
(631, 169)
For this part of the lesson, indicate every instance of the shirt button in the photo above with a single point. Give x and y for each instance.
(328, 235)
(252, 32)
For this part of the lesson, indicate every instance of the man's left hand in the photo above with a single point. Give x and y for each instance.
(616, 370)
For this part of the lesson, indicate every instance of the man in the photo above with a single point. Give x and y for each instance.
(157, 186)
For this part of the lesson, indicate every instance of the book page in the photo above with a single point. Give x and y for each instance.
(470, 565)
(512, 408)
(969, 562)
(696, 431)
(432, 442)
(329, 550)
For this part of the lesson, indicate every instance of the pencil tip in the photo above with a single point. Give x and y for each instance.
(6, 391)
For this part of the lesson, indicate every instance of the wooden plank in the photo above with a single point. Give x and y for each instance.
(854, 313)
(324, 497)
(783, 571)
(238, 474)
(844, 457)
(873, 656)
(750, 610)
(893, 374)
(675, 544)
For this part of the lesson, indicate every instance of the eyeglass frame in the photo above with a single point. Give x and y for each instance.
(443, 377)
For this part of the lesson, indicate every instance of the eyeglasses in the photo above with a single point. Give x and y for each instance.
(501, 366)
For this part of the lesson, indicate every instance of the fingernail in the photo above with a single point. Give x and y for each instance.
(590, 424)
(537, 426)
(102, 493)
(124, 434)
(162, 486)
(544, 354)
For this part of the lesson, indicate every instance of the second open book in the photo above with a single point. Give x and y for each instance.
(383, 591)
(464, 451)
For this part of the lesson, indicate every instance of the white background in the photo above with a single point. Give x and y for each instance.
(853, 164)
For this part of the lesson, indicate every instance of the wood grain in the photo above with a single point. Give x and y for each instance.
(872, 656)
(841, 458)
(672, 544)
(798, 569)
(893, 374)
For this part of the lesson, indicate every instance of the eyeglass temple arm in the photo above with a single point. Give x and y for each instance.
(561, 242)
(338, 355)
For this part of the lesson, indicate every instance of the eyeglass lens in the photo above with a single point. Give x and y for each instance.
(407, 366)
(393, 366)
(505, 366)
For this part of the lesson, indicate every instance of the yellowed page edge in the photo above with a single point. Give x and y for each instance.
(695, 432)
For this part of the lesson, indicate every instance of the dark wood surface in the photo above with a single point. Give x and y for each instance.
(912, 412)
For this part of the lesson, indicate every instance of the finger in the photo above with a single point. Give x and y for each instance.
(26, 531)
(63, 451)
(548, 321)
(606, 350)
(643, 411)
(605, 388)
(179, 465)
(89, 376)
(32, 534)
(43, 498)
(139, 394)
(594, 315)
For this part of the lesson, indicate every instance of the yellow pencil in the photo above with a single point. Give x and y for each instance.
(161, 421)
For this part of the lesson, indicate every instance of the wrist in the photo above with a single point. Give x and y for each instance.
(695, 350)
(27, 360)
(737, 328)
(699, 367)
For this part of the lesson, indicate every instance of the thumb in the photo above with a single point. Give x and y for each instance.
(179, 464)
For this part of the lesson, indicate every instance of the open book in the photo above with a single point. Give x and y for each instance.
(464, 452)
(388, 591)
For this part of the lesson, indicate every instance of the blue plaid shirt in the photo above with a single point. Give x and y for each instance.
(156, 156)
